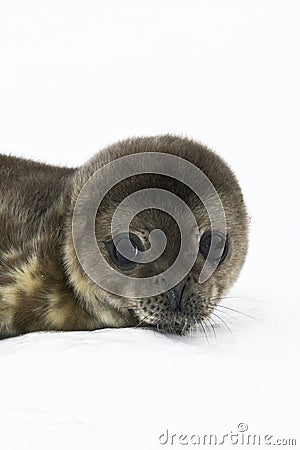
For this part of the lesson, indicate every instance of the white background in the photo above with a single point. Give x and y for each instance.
(76, 76)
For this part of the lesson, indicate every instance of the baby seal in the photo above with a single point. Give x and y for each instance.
(49, 270)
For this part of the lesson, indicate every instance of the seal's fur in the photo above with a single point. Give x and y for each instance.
(42, 285)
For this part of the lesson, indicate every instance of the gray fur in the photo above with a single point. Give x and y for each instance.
(42, 285)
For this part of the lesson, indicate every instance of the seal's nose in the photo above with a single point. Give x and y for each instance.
(176, 293)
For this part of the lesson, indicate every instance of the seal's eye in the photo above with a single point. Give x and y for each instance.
(218, 244)
(122, 251)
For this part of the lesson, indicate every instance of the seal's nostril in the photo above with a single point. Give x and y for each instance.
(176, 293)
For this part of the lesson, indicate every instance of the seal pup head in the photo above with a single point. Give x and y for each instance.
(153, 234)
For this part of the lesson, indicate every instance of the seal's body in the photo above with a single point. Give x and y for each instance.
(34, 290)
(42, 284)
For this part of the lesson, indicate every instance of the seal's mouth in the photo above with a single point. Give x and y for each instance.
(177, 326)
(167, 328)
(162, 316)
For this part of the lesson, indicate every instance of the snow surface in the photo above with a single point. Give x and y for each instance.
(75, 76)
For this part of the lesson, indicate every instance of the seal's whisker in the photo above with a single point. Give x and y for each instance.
(201, 322)
(213, 307)
(228, 297)
(195, 326)
(185, 326)
(237, 311)
(212, 327)
(227, 314)
(226, 325)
